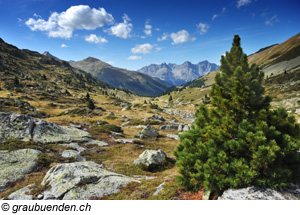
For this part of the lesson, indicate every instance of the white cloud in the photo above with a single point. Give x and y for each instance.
(142, 49)
(148, 29)
(272, 20)
(215, 16)
(181, 37)
(164, 37)
(143, 37)
(202, 28)
(134, 57)
(224, 10)
(75, 18)
(64, 46)
(111, 62)
(241, 3)
(93, 38)
(123, 29)
(158, 48)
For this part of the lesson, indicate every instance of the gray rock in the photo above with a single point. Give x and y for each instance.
(169, 127)
(111, 114)
(125, 140)
(253, 193)
(148, 132)
(22, 194)
(15, 126)
(151, 157)
(25, 127)
(16, 164)
(186, 127)
(82, 180)
(48, 132)
(159, 189)
(96, 142)
(180, 127)
(76, 146)
(173, 136)
(72, 154)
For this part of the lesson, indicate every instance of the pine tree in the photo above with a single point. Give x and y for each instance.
(239, 141)
(91, 104)
(170, 98)
(87, 96)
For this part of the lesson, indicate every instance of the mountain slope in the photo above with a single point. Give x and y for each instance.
(177, 75)
(273, 60)
(33, 67)
(136, 82)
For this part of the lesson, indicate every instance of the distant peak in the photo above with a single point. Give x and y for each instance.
(46, 53)
(91, 59)
(1, 41)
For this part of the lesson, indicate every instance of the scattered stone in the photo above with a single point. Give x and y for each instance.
(111, 114)
(22, 194)
(148, 132)
(125, 140)
(115, 134)
(75, 126)
(101, 122)
(142, 177)
(82, 181)
(183, 127)
(72, 154)
(206, 194)
(186, 127)
(40, 196)
(76, 146)
(254, 193)
(97, 142)
(123, 116)
(159, 189)
(169, 127)
(151, 158)
(16, 164)
(173, 136)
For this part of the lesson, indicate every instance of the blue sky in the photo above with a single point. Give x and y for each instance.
(132, 34)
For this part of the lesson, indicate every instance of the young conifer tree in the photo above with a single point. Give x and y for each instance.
(239, 141)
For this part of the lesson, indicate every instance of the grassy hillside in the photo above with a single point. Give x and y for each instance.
(136, 82)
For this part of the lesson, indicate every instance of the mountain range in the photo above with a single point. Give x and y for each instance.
(177, 75)
(137, 82)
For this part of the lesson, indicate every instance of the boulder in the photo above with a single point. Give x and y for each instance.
(72, 154)
(25, 128)
(173, 136)
(47, 132)
(151, 158)
(16, 164)
(254, 193)
(16, 126)
(22, 194)
(82, 180)
(147, 132)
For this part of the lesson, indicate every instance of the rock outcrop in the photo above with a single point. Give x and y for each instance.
(82, 180)
(16, 164)
(27, 128)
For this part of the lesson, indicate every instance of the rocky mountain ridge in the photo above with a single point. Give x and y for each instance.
(177, 75)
